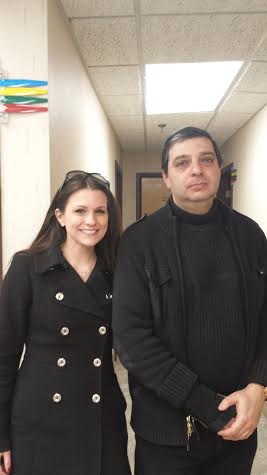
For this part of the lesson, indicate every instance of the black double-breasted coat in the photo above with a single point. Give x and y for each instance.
(63, 411)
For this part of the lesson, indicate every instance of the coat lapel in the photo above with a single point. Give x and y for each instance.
(72, 292)
(69, 290)
(91, 297)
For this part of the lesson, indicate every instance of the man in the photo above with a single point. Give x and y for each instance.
(190, 321)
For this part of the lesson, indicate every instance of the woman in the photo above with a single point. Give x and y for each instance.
(63, 411)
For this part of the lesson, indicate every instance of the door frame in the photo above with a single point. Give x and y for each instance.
(139, 177)
(224, 170)
(118, 184)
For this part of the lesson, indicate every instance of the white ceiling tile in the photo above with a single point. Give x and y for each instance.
(261, 54)
(201, 6)
(107, 41)
(131, 135)
(254, 79)
(127, 122)
(116, 80)
(177, 121)
(132, 143)
(81, 8)
(156, 138)
(246, 103)
(122, 105)
(154, 144)
(221, 134)
(201, 38)
(229, 119)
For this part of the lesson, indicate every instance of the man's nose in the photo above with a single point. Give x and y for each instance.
(196, 168)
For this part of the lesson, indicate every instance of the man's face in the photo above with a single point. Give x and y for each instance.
(193, 174)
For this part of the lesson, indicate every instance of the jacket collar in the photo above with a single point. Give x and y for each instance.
(165, 216)
(48, 260)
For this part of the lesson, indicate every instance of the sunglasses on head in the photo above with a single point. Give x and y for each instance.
(79, 173)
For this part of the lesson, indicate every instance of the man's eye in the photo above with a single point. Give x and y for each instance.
(208, 159)
(182, 163)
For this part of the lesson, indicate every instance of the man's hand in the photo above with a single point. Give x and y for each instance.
(249, 403)
(5, 462)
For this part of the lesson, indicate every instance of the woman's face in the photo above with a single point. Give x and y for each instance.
(85, 217)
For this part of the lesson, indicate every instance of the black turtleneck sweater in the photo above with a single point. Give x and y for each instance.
(215, 329)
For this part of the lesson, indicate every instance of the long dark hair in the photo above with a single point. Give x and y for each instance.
(52, 234)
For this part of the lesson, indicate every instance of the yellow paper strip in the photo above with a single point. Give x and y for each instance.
(22, 91)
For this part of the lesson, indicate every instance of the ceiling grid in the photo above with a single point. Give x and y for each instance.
(117, 38)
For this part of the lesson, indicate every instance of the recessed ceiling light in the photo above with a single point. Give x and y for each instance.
(187, 87)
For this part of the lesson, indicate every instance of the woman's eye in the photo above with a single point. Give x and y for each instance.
(80, 211)
(100, 211)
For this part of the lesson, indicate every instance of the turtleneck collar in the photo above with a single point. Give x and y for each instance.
(191, 218)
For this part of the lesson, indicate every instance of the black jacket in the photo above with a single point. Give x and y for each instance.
(150, 322)
(58, 412)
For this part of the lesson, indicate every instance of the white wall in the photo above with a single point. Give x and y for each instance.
(248, 150)
(81, 137)
(38, 149)
(25, 173)
(135, 163)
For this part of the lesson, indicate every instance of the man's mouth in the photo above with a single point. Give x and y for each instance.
(198, 184)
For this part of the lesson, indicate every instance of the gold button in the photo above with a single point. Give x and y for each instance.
(57, 397)
(97, 362)
(59, 296)
(64, 331)
(61, 362)
(102, 330)
(96, 398)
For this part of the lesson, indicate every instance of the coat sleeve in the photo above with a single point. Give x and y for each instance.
(14, 308)
(141, 351)
(258, 372)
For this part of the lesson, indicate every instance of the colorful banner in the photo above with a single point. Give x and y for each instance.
(20, 96)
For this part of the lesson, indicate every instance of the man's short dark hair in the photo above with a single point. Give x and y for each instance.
(180, 136)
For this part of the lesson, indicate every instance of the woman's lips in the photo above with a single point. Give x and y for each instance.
(89, 232)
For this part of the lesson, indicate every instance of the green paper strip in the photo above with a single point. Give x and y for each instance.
(22, 100)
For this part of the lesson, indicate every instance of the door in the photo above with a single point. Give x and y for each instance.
(151, 193)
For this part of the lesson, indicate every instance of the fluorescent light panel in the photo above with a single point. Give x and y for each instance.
(187, 87)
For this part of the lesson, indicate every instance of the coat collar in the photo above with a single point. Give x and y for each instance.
(90, 298)
(48, 260)
(165, 216)
(53, 258)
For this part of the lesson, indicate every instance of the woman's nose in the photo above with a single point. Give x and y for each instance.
(90, 218)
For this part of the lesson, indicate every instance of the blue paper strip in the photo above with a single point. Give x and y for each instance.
(22, 83)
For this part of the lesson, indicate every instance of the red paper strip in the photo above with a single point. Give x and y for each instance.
(16, 108)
